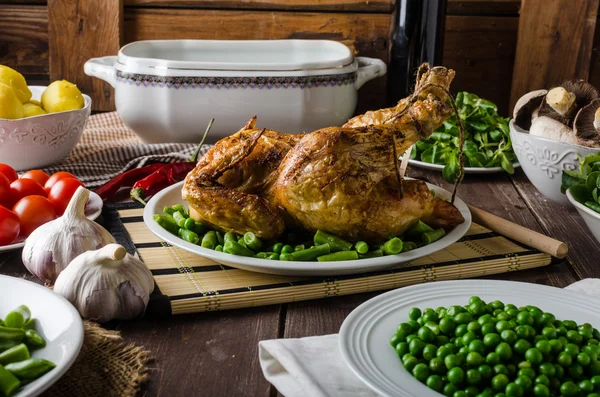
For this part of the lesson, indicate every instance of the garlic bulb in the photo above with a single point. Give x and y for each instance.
(106, 284)
(52, 246)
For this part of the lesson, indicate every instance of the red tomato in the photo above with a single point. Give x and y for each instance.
(37, 175)
(61, 193)
(34, 211)
(9, 226)
(5, 196)
(8, 172)
(57, 177)
(25, 187)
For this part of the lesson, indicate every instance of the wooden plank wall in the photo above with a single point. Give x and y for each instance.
(480, 40)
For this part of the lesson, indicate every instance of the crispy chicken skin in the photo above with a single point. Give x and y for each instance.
(342, 180)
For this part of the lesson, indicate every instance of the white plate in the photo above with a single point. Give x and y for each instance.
(93, 209)
(468, 170)
(365, 334)
(56, 320)
(172, 195)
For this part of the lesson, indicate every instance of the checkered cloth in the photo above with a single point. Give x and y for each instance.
(107, 148)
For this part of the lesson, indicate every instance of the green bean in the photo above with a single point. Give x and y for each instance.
(335, 243)
(167, 223)
(33, 339)
(181, 208)
(361, 247)
(220, 237)
(189, 224)
(234, 248)
(299, 247)
(287, 249)
(277, 247)
(14, 320)
(417, 231)
(8, 382)
(14, 354)
(311, 254)
(274, 256)
(392, 246)
(409, 246)
(29, 324)
(209, 240)
(219, 248)
(169, 210)
(200, 228)
(188, 236)
(435, 235)
(179, 218)
(7, 344)
(229, 236)
(371, 254)
(30, 369)
(285, 256)
(252, 241)
(338, 256)
(2, 323)
(14, 334)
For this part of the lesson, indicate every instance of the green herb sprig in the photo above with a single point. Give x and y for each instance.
(584, 184)
(487, 139)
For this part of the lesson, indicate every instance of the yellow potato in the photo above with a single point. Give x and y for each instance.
(61, 96)
(16, 81)
(38, 103)
(10, 105)
(31, 109)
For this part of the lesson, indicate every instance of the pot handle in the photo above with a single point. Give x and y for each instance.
(102, 68)
(368, 69)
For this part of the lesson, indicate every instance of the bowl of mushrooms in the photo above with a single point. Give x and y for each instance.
(551, 129)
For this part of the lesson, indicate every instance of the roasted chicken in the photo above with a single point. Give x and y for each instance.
(343, 180)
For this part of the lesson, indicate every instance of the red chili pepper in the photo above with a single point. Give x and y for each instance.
(125, 179)
(166, 175)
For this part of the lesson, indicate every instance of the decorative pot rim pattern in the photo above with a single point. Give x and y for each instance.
(236, 82)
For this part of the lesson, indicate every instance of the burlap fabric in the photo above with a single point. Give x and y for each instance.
(105, 367)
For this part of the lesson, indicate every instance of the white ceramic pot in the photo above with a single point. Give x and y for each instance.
(591, 218)
(167, 90)
(40, 141)
(543, 161)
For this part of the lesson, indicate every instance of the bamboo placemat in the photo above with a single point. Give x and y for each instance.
(189, 283)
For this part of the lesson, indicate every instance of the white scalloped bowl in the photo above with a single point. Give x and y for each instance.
(590, 217)
(40, 141)
(543, 161)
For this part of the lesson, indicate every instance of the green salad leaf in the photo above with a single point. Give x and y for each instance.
(584, 184)
(487, 139)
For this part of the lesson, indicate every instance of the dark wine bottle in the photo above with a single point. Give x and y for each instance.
(418, 38)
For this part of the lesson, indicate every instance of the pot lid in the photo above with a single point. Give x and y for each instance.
(240, 55)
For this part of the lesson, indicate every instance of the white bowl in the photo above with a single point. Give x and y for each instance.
(40, 141)
(590, 217)
(168, 90)
(543, 161)
(56, 320)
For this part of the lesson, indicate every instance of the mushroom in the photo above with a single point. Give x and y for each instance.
(563, 102)
(549, 128)
(526, 108)
(586, 126)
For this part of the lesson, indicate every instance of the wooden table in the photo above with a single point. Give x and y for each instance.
(216, 354)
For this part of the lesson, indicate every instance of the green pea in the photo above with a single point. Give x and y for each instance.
(485, 371)
(421, 372)
(576, 371)
(402, 349)
(437, 365)
(500, 369)
(509, 336)
(525, 382)
(569, 324)
(541, 391)
(468, 337)
(473, 377)
(569, 389)
(564, 359)
(586, 386)
(574, 336)
(504, 351)
(547, 369)
(596, 382)
(414, 313)
(488, 328)
(463, 318)
(534, 356)
(499, 382)
(555, 345)
(474, 326)
(492, 358)
(410, 363)
(524, 318)
(521, 346)
(416, 346)
(443, 351)
(449, 390)
(477, 346)
(544, 347)
(572, 349)
(451, 361)
(542, 380)
(429, 352)
(435, 382)
(474, 358)
(583, 359)
(456, 375)
(426, 334)
(461, 330)
(492, 340)
(513, 390)
(447, 325)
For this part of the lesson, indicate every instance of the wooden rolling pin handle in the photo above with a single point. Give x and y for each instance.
(519, 233)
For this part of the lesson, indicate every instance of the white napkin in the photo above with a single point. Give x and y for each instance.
(314, 366)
